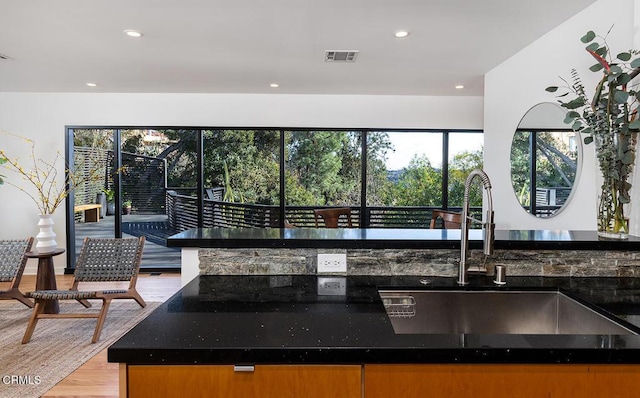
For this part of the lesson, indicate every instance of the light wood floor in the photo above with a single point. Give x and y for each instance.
(97, 377)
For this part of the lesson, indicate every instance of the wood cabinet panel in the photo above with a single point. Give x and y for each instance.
(513, 381)
(266, 381)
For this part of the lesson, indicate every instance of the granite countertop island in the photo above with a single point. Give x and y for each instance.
(308, 319)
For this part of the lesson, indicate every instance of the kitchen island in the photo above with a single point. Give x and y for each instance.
(331, 336)
(432, 252)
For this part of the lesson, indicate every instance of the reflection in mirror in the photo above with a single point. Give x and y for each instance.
(551, 172)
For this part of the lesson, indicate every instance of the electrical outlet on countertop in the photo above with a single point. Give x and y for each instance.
(332, 263)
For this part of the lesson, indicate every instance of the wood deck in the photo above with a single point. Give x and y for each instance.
(156, 255)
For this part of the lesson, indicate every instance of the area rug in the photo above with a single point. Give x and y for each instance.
(58, 346)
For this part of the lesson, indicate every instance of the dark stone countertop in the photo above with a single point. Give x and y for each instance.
(290, 320)
(382, 238)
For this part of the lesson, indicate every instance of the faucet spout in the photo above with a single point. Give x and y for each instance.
(488, 225)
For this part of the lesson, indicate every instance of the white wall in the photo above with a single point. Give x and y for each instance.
(43, 116)
(519, 83)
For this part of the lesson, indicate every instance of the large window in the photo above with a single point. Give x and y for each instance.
(323, 168)
(464, 155)
(243, 165)
(181, 178)
(418, 168)
(241, 177)
(411, 172)
(141, 167)
(405, 168)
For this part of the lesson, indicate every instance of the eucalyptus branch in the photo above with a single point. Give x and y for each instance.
(609, 120)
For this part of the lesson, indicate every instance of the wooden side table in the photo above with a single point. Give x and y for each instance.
(46, 277)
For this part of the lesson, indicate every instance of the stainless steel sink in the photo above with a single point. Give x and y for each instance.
(493, 312)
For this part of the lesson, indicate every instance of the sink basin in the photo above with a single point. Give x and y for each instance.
(493, 312)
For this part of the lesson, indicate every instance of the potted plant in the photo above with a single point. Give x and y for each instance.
(111, 204)
(126, 207)
(610, 120)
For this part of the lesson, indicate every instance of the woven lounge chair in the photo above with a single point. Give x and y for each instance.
(12, 263)
(100, 260)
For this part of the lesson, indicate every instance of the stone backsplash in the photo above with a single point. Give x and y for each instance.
(426, 262)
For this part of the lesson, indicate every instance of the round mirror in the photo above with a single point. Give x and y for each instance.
(544, 160)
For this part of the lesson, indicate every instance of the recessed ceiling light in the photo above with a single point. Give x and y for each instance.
(459, 87)
(132, 33)
(92, 84)
(401, 33)
(274, 85)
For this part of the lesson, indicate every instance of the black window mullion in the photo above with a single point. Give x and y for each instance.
(445, 169)
(117, 160)
(282, 180)
(200, 176)
(364, 215)
(70, 202)
(533, 149)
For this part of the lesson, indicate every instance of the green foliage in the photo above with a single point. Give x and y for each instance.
(2, 160)
(229, 190)
(462, 164)
(555, 163)
(520, 166)
(133, 142)
(251, 160)
(608, 120)
(379, 187)
(110, 195)
(93, 138)
(295, 191)
(326, 164)
(420, 184)
(322, 167)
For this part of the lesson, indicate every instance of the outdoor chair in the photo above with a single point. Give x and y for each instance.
(450, 219)
(332, 216)
(100, 260)
(12, 263)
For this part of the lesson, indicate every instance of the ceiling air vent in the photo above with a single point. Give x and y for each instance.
(340, 55)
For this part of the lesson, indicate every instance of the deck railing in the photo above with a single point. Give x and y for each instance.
(182, 211)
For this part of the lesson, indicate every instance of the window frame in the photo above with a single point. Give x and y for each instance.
(363, 214)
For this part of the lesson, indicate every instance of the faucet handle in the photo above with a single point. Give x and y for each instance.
(489, 233)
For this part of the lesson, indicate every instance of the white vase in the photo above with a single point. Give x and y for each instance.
(46, 238)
